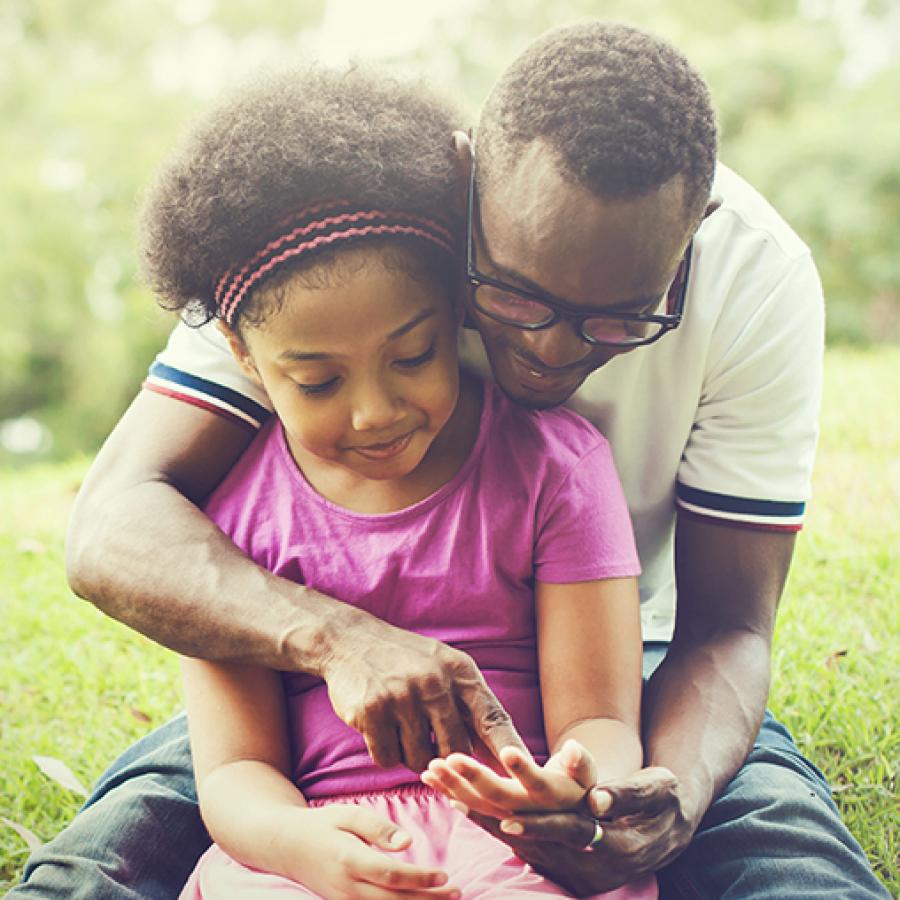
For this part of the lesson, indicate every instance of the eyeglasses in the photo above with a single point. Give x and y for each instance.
(533, 310)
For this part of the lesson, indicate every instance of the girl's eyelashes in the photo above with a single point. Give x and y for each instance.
(421, 359)
(326, 387)
(314, 390)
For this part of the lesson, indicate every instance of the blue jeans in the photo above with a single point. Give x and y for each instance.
(773, 833)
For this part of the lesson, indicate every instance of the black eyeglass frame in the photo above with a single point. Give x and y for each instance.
(561, 311)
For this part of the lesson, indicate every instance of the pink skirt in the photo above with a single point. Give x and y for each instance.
(478, 864)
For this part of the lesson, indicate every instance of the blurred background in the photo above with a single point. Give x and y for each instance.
(93, 93)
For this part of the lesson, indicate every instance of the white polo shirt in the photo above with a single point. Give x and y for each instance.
(717, 419)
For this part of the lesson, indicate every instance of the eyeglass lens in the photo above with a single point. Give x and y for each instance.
(517, 310)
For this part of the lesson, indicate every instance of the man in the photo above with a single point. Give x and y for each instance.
(685, 319)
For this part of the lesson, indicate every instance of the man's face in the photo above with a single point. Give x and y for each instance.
(537, 230)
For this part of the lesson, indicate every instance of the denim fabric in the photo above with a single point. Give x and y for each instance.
(138, 835)
(774, 833)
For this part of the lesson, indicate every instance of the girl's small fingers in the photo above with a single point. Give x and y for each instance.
(460, 789)
(500, 791)
(429, 780)
(579, 764)
(364, 890)
(373, 868)
(370, 827)
(525, 770)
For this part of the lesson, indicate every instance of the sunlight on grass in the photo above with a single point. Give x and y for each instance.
(78, 687)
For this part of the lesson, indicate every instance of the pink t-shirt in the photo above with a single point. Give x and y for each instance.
(537, 498)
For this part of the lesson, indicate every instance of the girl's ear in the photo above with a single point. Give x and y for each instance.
(239, 351)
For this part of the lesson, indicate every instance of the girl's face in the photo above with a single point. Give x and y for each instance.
(361, 368)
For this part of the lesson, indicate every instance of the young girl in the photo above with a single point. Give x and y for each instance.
(312, 216)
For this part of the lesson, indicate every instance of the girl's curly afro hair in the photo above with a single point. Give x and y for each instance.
(284, 142)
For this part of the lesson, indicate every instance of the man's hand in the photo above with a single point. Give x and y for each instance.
(644, 823)
(413, 698)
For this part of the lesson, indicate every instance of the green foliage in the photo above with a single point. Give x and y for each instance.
(95, 92)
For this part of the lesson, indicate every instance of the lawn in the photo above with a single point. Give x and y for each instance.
(78, 687)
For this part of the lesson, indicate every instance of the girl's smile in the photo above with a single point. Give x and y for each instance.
(388, 449)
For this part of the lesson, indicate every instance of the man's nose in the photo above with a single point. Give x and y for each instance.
(375, 407)
(557, 346)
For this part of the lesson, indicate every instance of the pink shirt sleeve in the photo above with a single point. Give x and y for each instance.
(584, 529)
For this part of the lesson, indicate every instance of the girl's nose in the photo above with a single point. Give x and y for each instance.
(376, 408)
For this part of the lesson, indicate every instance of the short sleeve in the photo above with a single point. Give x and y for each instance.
(750, 453)
(584, 529)
(197, 367)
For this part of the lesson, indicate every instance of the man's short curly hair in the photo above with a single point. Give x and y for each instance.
(284, 142)
(624, 111)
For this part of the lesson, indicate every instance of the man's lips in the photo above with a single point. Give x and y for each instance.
(386, 450)
(541, 377)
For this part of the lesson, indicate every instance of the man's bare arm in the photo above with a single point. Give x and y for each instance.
(140, 550)
(704, 705)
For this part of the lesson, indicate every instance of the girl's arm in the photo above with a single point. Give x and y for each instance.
(590, 655)
(252, 809)
(590, 652)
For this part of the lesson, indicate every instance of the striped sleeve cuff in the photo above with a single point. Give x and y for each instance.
(206, 394)
(775, 515)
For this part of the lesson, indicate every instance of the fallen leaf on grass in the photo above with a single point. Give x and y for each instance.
(60, 773)
(30, 838)
(139, 714)
(832, 660)
(869, 644)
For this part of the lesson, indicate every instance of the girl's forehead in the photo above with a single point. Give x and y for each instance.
(349, 307)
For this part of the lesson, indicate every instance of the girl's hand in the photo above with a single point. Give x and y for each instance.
(561, 784)
(340, 851)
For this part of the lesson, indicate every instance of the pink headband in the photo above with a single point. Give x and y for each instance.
(305, 233)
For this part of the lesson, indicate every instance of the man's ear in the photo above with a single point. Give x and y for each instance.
(240, 352)
(462, 146)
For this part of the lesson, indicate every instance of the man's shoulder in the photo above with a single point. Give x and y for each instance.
(746, 224)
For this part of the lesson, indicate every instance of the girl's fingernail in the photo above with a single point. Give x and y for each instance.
(508, 827)
(397, 839)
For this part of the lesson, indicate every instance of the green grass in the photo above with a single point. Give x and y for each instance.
(79, 687)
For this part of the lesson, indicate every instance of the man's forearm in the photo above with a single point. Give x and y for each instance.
(702, 711)
(151, 559)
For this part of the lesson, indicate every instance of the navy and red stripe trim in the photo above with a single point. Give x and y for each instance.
(208, 394)
(741, 505)
(772, 515)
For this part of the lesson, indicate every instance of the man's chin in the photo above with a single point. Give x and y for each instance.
(532, 398)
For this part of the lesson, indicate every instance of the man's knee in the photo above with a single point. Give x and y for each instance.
(138, 835)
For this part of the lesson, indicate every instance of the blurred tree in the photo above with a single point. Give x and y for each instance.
(96, 92)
